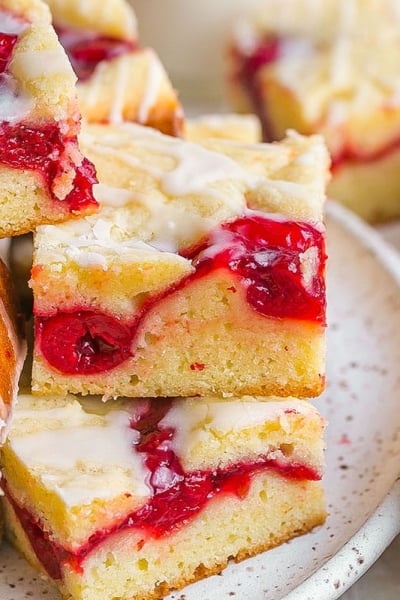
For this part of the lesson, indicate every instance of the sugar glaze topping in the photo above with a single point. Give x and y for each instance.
(94, 445)
(11, 24)
(155, 78)
(211, 186)
(82, 467)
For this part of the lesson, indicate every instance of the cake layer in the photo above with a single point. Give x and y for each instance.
(311, 75)
(134, 498)
(202, 274)
(118, 80)
(43, 176)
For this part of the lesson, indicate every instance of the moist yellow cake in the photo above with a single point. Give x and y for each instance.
(333, 70)
(134, 498)
(118, 79)
(238, 128)
(203, 272)
(44, 177)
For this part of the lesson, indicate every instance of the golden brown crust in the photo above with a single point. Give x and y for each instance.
(12, 345)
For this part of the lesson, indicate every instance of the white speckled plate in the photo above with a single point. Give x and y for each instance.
(363, 456)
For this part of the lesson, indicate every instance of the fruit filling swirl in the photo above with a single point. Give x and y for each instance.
(280, 264)
(248, 64)
(176, 495)
(49, 149)
(86, 50)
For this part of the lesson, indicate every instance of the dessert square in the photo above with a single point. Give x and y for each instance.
(202, 272)
(44, 177)
(317, 69)
(135, 498)
(118, 80)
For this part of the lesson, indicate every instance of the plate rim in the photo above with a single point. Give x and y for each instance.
(389, 257)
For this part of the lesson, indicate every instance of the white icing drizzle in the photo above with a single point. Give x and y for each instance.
(195, 169)
(10, 24)
(90, 242)
(309, 264)
(92, 91)
(191, 418)
(117, 105)
(155, 77)
(339, 67)
(81, 456)
(85, 450)
(167, 221)
(13, 107)
(245, 36)
(188, 175)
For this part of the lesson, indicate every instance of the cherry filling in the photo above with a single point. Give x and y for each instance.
(177, 496)
(349, 155)
(45, 150)
(85, 342)
(7, 43)
(280, 264)
(85, 51)
(247, 67)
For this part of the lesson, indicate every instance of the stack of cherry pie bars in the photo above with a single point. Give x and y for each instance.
(179, 315)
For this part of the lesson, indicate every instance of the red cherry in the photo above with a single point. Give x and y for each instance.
(81, 194)
(84, 342)
(7, 43)
(43, 150)
(266, 254)
(85, 52)
(265, 53)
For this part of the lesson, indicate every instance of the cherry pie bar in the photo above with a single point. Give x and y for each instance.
(118, 79)
(44, 177)
(134, 498)
(203, 272)
(315, 67)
